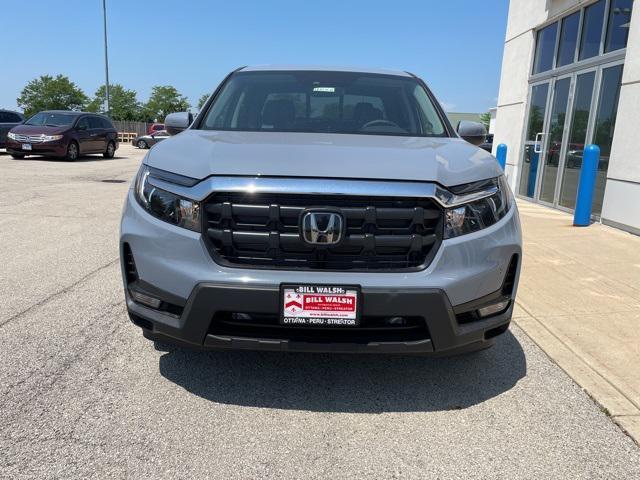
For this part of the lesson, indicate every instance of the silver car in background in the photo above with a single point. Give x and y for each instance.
(149, 140)
(321, 210)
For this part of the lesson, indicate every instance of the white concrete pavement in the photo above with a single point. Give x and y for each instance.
(579, 299)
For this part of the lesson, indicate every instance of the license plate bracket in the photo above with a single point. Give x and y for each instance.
(312, 305)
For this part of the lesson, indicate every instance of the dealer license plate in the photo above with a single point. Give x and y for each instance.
(26, 146)
(320, 306)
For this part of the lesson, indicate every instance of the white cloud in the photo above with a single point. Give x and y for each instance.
(448, 106)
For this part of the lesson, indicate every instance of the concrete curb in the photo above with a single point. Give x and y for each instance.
(611, 400)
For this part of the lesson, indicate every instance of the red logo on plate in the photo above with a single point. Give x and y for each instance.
(293, 303)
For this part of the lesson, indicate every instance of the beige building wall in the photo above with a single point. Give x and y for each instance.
(622, 193)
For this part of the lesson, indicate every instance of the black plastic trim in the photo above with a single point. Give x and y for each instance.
(473, 187)
(172, 177)
(443, 333)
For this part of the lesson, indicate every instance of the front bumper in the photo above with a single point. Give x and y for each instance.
(174, 265)
(203, 323)
(55, 148)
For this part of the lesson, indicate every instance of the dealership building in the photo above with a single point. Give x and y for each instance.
(571, 77)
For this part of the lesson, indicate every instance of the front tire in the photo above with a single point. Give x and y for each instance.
(142, 144)
(111, 150)
(72, 152)
(18, 156)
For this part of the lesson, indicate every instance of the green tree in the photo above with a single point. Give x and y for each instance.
(485, 118)
(51, 93)
(122, 103)
(164, 100)
(203, 99)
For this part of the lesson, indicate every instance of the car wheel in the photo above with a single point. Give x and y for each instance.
(17, 156)
(72, 152)
(142, 144)
(111, 150)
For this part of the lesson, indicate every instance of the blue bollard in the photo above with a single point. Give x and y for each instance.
(501, 155)
(533, 173)
(586, 185)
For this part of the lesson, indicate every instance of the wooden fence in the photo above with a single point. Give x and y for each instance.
(128, 131)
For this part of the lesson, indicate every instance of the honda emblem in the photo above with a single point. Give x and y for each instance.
(322, 227)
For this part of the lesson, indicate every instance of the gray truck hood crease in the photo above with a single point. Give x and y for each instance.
(201, 153)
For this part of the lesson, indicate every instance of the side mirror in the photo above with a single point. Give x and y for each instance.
(472, 132)
(177, 122)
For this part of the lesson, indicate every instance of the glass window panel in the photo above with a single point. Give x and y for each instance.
(545, 48)
(536, 112)
(314, 101)
(619, 21)
(95, 123)
(554, 145)
(568, 39)
(592, 30)
(529, 171)
(604, 127)
(577, 136)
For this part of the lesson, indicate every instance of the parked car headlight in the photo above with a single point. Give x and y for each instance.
(12, 136)
(165, 205)
(496, 200)
(51, 138)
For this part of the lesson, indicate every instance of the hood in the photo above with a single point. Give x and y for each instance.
(201, 153)
(39, 129)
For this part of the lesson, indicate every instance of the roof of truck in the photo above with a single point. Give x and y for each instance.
(322, 68)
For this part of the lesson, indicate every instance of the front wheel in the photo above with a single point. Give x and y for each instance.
(72, 152)
(142, 144)
(110, 151)
(17, 156)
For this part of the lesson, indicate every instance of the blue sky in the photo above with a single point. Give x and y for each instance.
(455, 45)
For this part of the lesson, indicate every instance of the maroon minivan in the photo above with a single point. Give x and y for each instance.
(64, 134)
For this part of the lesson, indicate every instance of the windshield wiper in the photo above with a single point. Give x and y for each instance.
(51, 125)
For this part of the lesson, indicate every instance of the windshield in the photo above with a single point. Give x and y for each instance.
(324, 102)
(51, 119)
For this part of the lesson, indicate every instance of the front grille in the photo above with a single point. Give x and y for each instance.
(267, 326)
(263, 231)
(29, 138)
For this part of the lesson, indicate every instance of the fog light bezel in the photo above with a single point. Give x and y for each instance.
(494, 308)
(145, 299)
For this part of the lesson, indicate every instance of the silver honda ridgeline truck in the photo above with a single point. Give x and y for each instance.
(310, 209)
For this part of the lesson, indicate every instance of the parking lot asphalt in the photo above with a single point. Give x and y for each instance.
(83, 394)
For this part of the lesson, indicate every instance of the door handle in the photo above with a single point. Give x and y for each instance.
(93, 135)
(537, 145)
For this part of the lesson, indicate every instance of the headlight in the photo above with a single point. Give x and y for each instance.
(51, 138)
(165, 205)
(12, 136)
(478, 214)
